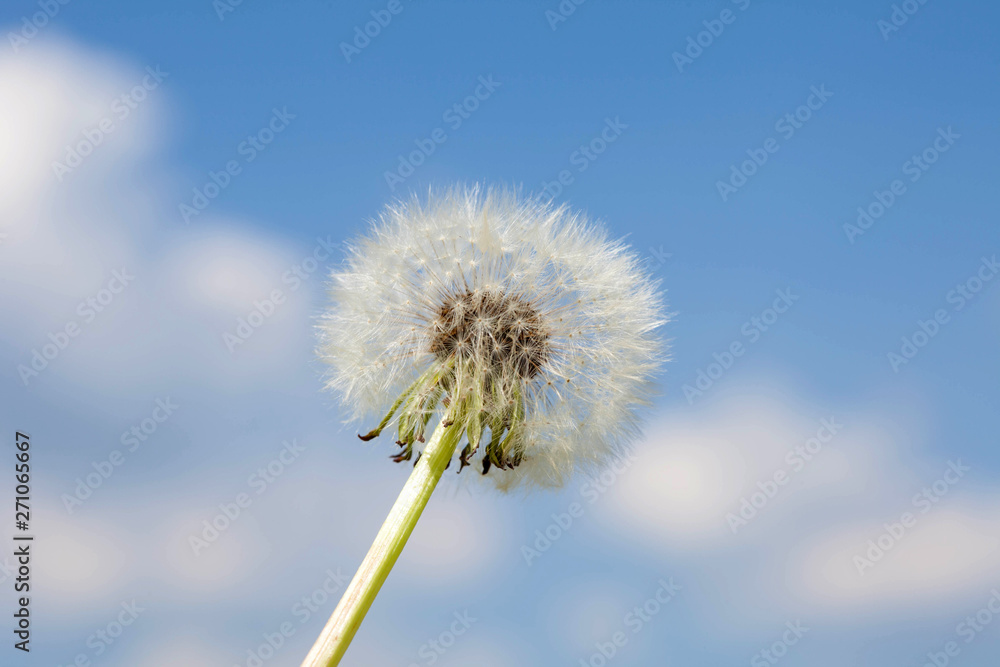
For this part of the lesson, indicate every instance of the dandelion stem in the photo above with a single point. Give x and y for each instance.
(351, 610)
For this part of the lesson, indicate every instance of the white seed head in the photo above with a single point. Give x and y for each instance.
(502, 314)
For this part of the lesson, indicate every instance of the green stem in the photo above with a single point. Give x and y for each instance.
(347, 617)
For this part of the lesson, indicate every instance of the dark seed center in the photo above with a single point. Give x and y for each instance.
(502, 331)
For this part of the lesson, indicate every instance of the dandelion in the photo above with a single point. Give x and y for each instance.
(513, 332)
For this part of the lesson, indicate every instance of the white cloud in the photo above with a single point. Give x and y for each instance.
(950, 552)
(226, 560)
(458, 539)
(65, 238)
(80, 561)
(52, 94)
(180, 650)
(580, 611)
(692, 473)
(224, 268)
(682, 489)
(692, 469)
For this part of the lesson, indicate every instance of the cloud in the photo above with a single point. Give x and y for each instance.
(708, 485)
(692, 469)
(60, 237)
(63, 93)
(223, 268)
(226, 559)
(458, 540)
(81, 562)
(189, 651)
(579, 611)
(948, 553)
(681, 490)
(199, 300)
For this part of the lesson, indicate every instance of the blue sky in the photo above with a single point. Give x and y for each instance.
(817, 108)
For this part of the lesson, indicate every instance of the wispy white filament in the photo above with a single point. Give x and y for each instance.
(598, 309)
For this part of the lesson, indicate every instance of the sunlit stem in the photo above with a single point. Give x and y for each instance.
(347, 617)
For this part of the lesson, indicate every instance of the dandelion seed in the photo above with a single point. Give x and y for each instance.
(503, 299)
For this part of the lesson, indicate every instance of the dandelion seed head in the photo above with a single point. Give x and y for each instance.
(520, 319)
